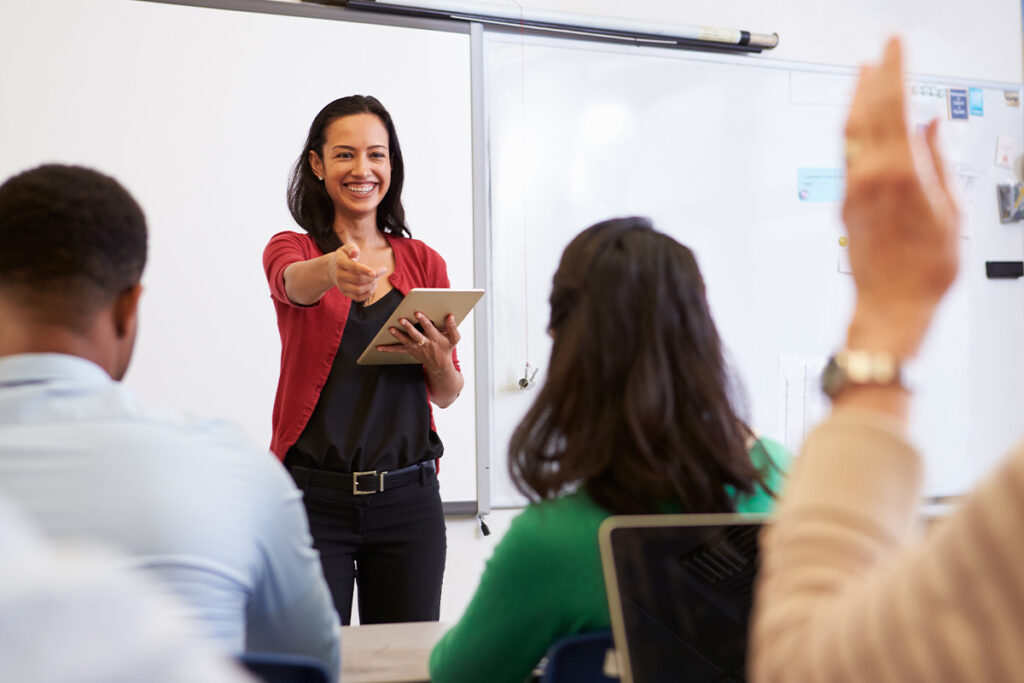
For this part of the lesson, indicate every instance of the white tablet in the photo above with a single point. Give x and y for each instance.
(436, 304)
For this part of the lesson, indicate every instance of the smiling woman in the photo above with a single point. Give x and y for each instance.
(356, 166)
(360, 440)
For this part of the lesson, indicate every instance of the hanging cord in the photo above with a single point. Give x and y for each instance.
(522, 128)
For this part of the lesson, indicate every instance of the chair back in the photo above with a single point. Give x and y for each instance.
(579, 658)
(275, 667)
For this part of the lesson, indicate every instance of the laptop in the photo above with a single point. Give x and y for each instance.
(680, 590)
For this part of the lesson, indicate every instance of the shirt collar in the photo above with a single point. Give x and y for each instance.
(33, 368)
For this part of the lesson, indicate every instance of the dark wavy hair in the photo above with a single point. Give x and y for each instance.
(308, 201)
(635, 406)
(71, 241)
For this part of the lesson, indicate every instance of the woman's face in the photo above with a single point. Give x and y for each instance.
(356, 164)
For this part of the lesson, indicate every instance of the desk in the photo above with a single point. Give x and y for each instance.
(388, 653)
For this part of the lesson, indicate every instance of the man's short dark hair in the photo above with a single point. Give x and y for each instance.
(70, 238)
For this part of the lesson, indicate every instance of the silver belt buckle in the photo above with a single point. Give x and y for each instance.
(355, 483)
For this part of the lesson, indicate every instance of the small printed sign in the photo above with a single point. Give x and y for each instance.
(820, 184)
(1012, 98)
(1005, 147)
(957, 104)
(977, 100)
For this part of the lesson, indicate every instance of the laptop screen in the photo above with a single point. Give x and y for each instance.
(680, 590)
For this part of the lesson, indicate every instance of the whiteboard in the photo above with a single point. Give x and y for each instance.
(200, 113)
(711, 148)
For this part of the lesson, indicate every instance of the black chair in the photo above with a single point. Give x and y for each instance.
(579, 659)
(274, 667)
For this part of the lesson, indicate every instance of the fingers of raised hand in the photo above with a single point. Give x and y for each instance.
(898, 209)
(878, 110)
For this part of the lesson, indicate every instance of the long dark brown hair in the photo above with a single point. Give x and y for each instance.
(636, 403)
(308, 201)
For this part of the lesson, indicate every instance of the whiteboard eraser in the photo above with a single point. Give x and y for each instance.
(1004, 269)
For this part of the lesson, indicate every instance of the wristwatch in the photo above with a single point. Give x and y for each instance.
(851, 368)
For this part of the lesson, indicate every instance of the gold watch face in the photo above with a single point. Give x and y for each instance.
(859, 367)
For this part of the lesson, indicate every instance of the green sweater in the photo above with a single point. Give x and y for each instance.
(545, 582)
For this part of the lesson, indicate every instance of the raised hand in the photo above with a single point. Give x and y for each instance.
(900, 215)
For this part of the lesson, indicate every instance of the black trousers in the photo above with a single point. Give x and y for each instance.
(393, 543)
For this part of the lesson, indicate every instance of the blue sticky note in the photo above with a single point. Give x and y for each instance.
(820, 184)
(958, 104)
(977, 98)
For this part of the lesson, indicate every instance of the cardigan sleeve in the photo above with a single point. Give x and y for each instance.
(845, 595)
(284, 249)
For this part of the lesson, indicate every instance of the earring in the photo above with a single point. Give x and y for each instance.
(320, 179)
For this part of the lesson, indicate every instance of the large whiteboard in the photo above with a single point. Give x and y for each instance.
(200, 113)
(709, 147)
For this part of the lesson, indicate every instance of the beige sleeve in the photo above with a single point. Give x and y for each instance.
(845, 593)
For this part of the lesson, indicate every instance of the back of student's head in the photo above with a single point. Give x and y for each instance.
(635, 405)
(71, 241)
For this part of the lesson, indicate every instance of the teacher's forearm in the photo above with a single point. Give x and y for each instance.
(305, 282)
(445, 386)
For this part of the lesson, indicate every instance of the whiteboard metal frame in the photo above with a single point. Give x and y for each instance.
(483, 320)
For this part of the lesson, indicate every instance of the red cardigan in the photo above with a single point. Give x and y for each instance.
(310, 335)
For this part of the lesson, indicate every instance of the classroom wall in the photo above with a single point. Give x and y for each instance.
(981, 40)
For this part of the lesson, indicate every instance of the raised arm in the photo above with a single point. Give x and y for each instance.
(841, 595)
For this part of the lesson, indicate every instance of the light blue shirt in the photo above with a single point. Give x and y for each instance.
(221, 523)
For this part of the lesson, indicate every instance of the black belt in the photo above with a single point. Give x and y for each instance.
(361, 483)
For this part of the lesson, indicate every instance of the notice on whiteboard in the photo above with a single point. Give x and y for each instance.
(957, 100)
(803, 405)
(820, 184)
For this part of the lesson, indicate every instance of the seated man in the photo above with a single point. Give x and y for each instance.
(133, 634)
(219, 522)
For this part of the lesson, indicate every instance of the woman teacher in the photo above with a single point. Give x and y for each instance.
(359, 440)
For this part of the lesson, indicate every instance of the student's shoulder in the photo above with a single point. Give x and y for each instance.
(558, 524)
(770, 454)
(211, 445)
(772, 461)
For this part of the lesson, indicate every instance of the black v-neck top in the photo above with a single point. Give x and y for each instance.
(368, 417)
